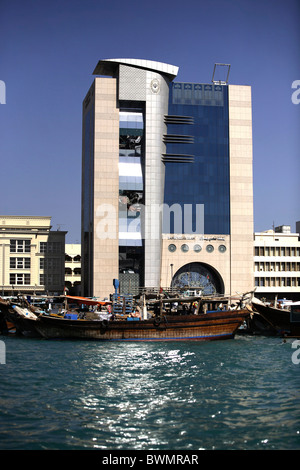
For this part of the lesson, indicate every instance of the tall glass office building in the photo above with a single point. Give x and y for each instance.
(167, 181)
(197, 152)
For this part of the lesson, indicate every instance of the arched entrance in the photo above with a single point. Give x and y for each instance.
(198, 277)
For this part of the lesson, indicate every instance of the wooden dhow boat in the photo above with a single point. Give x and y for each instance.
(276, 318)
(211, 320)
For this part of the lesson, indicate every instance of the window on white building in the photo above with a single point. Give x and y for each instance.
(19, 279)
(20, 246)
(19, 263)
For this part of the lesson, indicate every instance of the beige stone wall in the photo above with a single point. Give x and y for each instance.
(217, 260)
(241, 188)
(106, 186)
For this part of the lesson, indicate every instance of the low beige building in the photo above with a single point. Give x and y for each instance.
(73, 268)
(32, 257)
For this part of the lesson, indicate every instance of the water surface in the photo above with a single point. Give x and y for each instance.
(233, 394)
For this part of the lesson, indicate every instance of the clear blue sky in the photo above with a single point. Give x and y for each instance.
(49, 50)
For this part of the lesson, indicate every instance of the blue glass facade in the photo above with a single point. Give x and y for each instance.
(88, 200)
(197, 153)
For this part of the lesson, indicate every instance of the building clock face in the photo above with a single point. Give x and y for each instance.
(155, 87)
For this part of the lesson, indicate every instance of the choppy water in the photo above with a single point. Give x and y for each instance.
(235, 394)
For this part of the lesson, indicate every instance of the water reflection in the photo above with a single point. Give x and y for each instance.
(136, 392)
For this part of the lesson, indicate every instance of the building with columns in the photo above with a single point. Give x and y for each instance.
(32, 256)
(167, 193)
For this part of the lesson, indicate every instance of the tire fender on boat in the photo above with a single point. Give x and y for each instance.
(104, 324)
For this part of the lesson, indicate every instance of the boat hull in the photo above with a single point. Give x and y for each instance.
(279, 319)
(209, 327)
(20, 324)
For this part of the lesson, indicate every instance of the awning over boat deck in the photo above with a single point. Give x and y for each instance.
(86, 301)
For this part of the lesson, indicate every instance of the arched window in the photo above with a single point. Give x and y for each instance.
(198, 276)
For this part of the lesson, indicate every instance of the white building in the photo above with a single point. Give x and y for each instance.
(277, 263)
